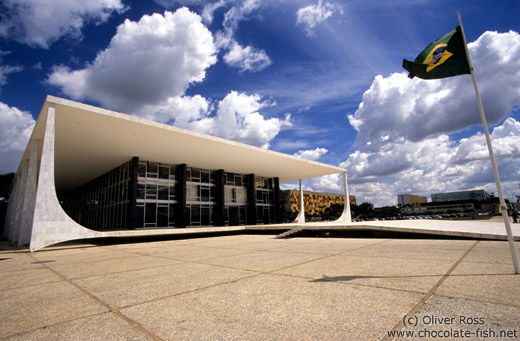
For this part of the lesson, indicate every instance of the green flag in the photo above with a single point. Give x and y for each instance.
(445, 57)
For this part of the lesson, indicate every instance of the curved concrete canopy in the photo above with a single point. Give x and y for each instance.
(91, 141)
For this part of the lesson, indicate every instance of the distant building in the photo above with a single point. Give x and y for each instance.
(478, 195)
(413, 200)
(314, 202)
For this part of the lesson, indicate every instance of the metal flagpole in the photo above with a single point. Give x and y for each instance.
(503, 207)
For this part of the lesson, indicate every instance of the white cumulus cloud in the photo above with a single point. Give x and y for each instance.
(312, 15)
(146, 63)
(248, 58)
(238, 118)
(16, 127)
(396, 106)
(41, 23)
(311, 154)
(404, 129)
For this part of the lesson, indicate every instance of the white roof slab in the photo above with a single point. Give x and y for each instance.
(91, 141)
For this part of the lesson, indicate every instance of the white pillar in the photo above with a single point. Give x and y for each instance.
(301, 214)
(345, 216)
(29, 197)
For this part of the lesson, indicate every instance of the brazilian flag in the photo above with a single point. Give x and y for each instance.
(445, 57)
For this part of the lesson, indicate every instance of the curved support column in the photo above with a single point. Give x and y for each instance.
(51, 224)
(346, 215)
(300, 218)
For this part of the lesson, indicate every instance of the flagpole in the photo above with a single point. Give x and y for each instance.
(503, 207)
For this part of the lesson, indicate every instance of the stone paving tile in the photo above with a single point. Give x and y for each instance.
(29, 308)
(494, 252)
(133, 287)
(324, 247)
(426, 252)
(262, 260)
(87, 255)
(269, 306)
(451, 315)
(494, 283)
(27, 278)
(98, 327)
(17, 261)
(401, 274)
(101, 266)
(195, 254)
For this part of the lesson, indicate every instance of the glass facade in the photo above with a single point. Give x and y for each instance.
(104, 203)
(145, 194)
(235, 198)
(155, 199)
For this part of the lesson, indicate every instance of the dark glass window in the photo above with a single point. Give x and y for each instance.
(152, 170)
(204, 194)
(139, 216)
(164, 172)
(151, 190)
(204, 215)
(140, 190)
(141, 169)
(162, 192)
(205, 177)
(150, 212)
(162, 216)
(172, 215)
(195, 214)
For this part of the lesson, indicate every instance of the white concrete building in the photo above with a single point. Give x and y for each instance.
(90, 172)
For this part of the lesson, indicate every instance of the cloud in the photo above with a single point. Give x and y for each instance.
(311, 154)
(147, 69)
(396, 106)
(5, 70)
(405, 142)
(146, 63)
(39, 24)
(238, 118)
(15, 129)
(313, 15)
(246, 58)
(377, 172)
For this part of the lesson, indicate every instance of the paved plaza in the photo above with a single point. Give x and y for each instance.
(247, 286)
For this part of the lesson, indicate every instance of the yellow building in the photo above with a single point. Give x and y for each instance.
(314, 202)
(406, 200)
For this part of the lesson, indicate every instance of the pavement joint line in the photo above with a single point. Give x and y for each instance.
(477, 300)
(115, 311)
(430, 293)
(192, 290)
(55, 324)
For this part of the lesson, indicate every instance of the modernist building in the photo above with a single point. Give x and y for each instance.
(90, 172)
(479, 194)
(314, 202)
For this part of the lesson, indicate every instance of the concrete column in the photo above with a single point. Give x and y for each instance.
(132, 194)
(251, 200)
(11, 208)
(51, 224)
(182, 219)
(300, 218)
(220, 205)
(29, 199)
(346, 215)
(20, 191)
(277, 215)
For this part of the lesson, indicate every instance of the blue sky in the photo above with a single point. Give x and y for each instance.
(318, 79)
